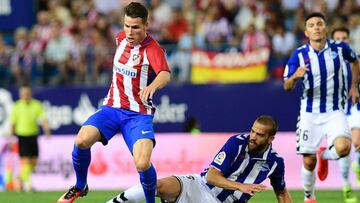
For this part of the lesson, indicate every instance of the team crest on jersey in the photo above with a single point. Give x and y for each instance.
(333, 54)
(219, 159)
(264, 167)
(136, 59)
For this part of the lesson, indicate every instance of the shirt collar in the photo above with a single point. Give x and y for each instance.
(310, 49)
(262, 157)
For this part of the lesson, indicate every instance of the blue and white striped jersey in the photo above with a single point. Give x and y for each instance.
(238, 164)
(324, 84)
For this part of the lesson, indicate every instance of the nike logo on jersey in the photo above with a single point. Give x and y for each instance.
(145, 132)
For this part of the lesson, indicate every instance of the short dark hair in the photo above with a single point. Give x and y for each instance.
(340, 29)
(315, 14)
(136, 10)
(269, 121)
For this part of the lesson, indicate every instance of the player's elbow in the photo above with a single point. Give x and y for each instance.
(212, 176)
(167, 77)
(287, 87)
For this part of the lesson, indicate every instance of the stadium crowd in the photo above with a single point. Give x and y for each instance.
(72, 42)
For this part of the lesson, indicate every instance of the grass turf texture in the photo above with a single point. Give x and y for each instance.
(323, 196)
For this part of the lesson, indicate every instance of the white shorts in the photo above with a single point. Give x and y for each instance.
(194, 190)
(313, 127)
(354, 117)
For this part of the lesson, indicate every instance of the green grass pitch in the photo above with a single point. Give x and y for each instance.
(323, 196)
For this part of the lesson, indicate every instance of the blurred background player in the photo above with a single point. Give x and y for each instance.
(140, 69)
(25, 117)
(9, 166)
(353, 117)
(235, 174)
(319, 65)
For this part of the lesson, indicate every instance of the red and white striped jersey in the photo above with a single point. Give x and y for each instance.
(134, 67)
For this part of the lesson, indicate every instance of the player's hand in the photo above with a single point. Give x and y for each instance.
(300, 72)
(251, 188)
(147, 93)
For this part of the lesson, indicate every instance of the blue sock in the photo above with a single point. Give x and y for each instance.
(81, 161)
(148, 182)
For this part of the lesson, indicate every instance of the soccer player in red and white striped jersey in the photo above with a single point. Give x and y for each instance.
(139, 70)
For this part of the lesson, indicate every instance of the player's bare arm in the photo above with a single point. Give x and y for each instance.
(355, 70)
(215, 177)
(159, 82)
(290, 83)
(283, 196)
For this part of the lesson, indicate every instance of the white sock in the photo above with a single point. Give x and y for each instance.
(308, 178)
(357, 159)
(344, 166)
(330, 154)
(134, 194)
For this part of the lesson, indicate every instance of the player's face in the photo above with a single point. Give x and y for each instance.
(259, 138)
(25, 93)
(341, 36)
(315, 29)
(135, 30)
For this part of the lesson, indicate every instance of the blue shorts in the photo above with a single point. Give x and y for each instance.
(131, 124)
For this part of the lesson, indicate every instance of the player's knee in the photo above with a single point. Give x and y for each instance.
(141, 164)
(356, 143)
(309, 163)
(343, 150)
(160, 188)
(82, 142)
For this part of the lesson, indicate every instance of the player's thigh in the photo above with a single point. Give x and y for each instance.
(336, 126)
(142, 151)
(308, 134)
(168, 188)
(101, 126)
(136, 126)
(194, 190)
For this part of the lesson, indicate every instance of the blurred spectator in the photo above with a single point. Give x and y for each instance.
(254, 39)
(161, 11)
(5, 72)
(34, 49)
(43, 26)
(247, 15)
(180, 61)
(76, 60)
(20, 57)
(177, 26)
(217, 29)
(59, 12)
(57, 54)
(354, 27)
(283, 42)
(106, 6)
(99, 58)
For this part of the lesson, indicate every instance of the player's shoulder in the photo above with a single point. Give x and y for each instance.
(298, 50)
(36, 102)
(301, 48)
(276, 156)
(150, 43)
(333, 43)
(240, 138)
(120, 37)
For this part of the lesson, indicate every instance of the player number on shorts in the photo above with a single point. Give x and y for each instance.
(304, 134)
